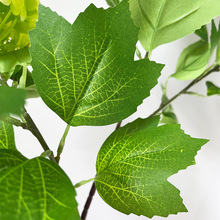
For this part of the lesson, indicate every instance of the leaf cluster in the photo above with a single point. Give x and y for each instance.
(85, 72)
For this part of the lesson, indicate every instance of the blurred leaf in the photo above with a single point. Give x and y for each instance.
(31, 92)
(16, 19)
(168, 118)
(162, 21)
(133, 167)
(203, 33)
(11, 100)
(7, 139)
(215, 37)
(113, 3)
(86, 72)
(9, 61)
(18, 73)
(212, 89)
(192, 61)
(34, 189)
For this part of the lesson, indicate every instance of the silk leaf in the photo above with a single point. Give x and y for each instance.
(86, 72)
(34, 189)
(133, 166)
(164, 21)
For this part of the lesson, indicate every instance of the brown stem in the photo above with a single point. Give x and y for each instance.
(184, 90)
(30, 125)
(93, 189)
(88, 201)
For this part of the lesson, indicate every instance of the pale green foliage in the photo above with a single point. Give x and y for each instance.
(164, 21)
(86, 72)
(17, 17)
(192, 61)
(134, 163)
(10, 60)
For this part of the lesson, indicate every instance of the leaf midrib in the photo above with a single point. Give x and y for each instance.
(128, 158)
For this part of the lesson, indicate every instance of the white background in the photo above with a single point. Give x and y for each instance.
(198, 116)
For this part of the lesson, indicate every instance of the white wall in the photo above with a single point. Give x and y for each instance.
(199, 117)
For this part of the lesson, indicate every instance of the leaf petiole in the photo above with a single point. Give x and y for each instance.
(83, 182)
(22, 81)
(62, 143)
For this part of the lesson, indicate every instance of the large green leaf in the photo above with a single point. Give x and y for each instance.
(86, 72)
(34, 189)
(192, 61)
(11, 100)
(7, 140)
(133, 166)
(164, 21)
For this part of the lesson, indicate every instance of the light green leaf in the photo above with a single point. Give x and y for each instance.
(113, 3)
(218, 53)
(86, 72)
(212, 89)
(168, 118)
(11, 100)
(14, 29)
(203, 33)
(133, 167)
(34, 189)
(7, 140)
(215, 37)
(164, 21)
(9, 61)
(192, 61)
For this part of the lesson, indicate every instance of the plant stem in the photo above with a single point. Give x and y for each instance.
(5, 19)
(88, 201)
(62, 143)
(93, 189)
(211, 69)
(30, 125)
(22, 81)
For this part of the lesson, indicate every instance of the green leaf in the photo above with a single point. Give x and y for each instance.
(133, 167)
(203, 33)
(113, 3)
(163, 21)
(9, 61)
(86, 72)
(7, 139)
(168, 118)
(215, 37)
(16, 75)
(11, 100)
(218, 52)
(212, 89)
(34, 189)
(192, 61)
(16, 19)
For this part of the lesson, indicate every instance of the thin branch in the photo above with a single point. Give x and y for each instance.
(184, 90)
(88, 201)
(93, 189)
(30, 125)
